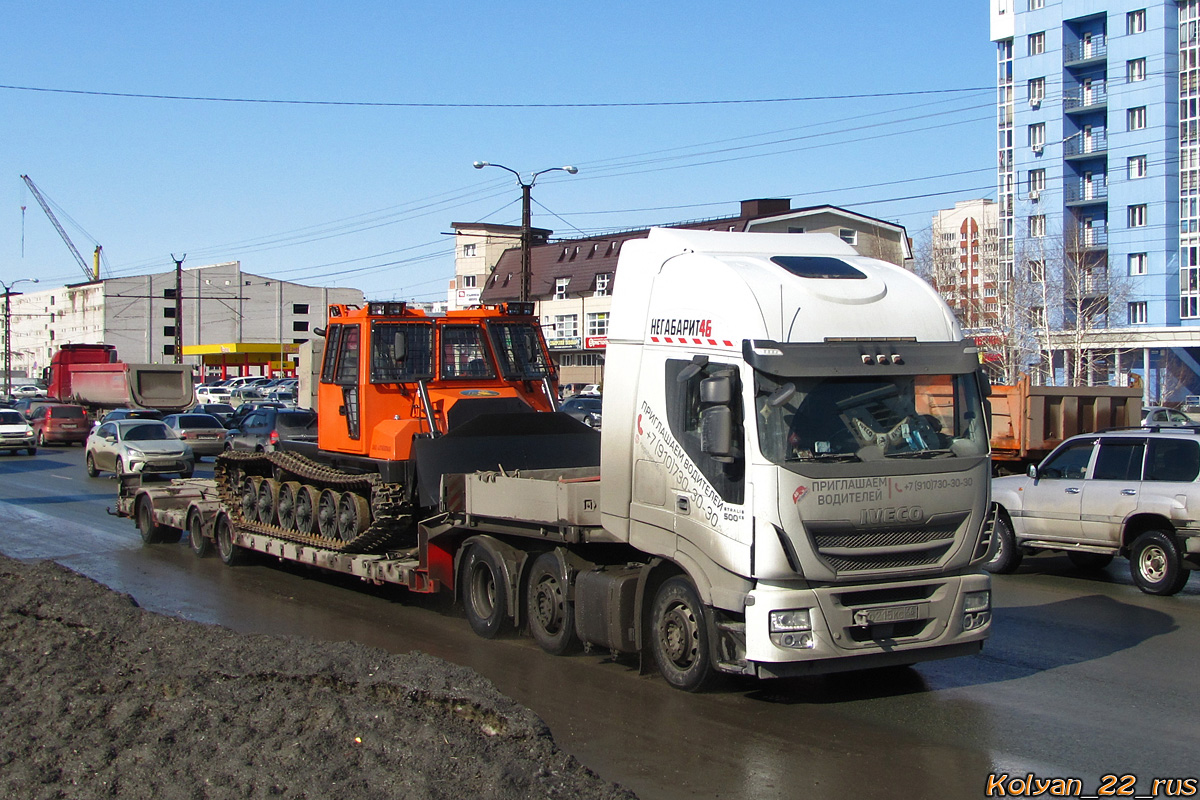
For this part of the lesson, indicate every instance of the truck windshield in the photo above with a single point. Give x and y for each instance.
(519, 349)
(869, 418)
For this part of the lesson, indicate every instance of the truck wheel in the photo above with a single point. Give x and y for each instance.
(679, 636)
(201, 545)
(231, 555)
(551, 615)
(1006, 556)
(1155, 564)
(152, 532)
(91, 466)
(484, 598)
(1091, 562)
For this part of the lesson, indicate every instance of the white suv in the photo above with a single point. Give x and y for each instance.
(1131, 492)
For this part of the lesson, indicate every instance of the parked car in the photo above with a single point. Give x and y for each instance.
(147, 446)
(207, 393)
(15, 432)
(61, 423)
(585, 409)
(1122, 492)
(590, 390)
(1159, 415)
(245, 409)
(28, 390)
(203, 432)
(222, 411)
(263, 428)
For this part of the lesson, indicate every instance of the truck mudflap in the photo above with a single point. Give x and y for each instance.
(831, 629)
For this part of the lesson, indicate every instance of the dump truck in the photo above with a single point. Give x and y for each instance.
(1029, 421)
(792, 477)
(93, 376)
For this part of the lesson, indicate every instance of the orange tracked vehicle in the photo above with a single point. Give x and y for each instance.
(404, 397)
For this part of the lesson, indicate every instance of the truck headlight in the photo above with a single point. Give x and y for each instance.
(792, 628)
(977, 610)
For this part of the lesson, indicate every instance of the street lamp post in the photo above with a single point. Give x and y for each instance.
(8, 291)
(526, 222)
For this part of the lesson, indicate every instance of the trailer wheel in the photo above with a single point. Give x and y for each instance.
(1006, 556)
(1155, 564)
(268, 501)
(1090, 562)
(679, 636)
(201, 545)
(484, 599)
(327, 513)
(307, 499)
(231, 555)
(551, 615)
(354, 515)
(288, 493)
(152, 532)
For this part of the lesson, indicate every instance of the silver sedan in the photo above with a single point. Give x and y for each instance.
(138, 446)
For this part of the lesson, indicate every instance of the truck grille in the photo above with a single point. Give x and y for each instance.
(845, 547)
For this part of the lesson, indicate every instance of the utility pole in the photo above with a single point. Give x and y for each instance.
(178, 307)
(8, 293)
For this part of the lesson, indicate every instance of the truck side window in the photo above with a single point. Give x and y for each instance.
(684, 409)
(1119, 460)
(332, 339)
(1173, 460)
(348, 354)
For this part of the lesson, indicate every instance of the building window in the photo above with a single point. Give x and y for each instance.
(1137, 313)
(1137, 216)
(602, 283)
(1135, 70)
(1037, 226)
(1037, 271)
(1034, 5)
(1137, 167)
(1135, 22)
(560, 288)
(299, 308)
(1037, 44)
(169, 331)
(1037, 180)
(1037, 90)
(468, 250)
(1037, 317)
(597, 324)
(169, 312)
(169, 294)
(1136, 118)
(468, 281)
(566, 326)
(848, 235)
(1037, 136)
(1137, 263)
(299, 326)
(168, 349)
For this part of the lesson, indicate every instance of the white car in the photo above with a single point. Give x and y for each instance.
(15, 432)
(28, 390)
(138, 445)
(212, 394)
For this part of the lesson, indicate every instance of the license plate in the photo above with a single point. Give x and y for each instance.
(68, 426)
(875, 616)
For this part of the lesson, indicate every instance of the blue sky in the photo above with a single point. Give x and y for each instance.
(362, 195)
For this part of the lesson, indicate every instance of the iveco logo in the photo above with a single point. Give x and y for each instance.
(878, 516)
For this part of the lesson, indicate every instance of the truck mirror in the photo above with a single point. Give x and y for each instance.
(692, 369)
(782, 395)
(716, 433)
(399, 346)
(717, 389)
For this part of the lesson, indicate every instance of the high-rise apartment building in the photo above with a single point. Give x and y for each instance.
(1098, 144)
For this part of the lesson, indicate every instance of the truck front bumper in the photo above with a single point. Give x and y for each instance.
(834, 628)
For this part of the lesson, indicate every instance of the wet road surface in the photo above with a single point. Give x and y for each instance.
(1084, 675)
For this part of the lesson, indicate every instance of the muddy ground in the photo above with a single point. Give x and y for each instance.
(99, 698)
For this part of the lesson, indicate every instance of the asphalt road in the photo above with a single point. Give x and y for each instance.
(1084, 676)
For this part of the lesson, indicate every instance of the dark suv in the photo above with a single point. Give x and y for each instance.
(262, 429)
(1130, 492)
(60, 424)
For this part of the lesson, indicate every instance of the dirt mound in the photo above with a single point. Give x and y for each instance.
(99, 698)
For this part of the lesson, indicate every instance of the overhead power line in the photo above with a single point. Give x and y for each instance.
(387, 104)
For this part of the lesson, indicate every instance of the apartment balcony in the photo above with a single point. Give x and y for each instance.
(1091, 98)
(1082, 193)
(1089, 145)
(1086, 53)
(1091, 238)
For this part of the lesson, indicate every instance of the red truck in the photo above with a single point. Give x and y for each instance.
(92, 376)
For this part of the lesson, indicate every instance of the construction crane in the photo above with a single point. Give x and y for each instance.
(92, 273)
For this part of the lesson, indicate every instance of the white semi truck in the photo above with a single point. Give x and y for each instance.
(793, 478)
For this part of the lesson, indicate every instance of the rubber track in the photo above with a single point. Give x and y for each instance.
(391, 515)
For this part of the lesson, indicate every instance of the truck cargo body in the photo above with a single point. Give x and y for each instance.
(1029, 421)
(793, 478)
(91, 375)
